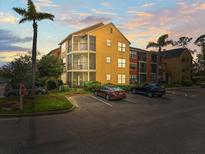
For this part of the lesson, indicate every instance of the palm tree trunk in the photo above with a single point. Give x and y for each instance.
(34, 47)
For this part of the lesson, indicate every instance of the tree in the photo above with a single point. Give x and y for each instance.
(18, 71)
(50, 67)
(30, 14)
(198, 65)
(183, 41)
(200, 41)
(161, 42)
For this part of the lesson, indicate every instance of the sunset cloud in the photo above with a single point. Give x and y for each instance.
(7, 18)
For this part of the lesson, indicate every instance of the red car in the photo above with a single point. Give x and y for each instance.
(111, 93)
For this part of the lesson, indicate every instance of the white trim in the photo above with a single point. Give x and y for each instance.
(81, 71)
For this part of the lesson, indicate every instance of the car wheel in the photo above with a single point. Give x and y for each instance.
(150, 95)
(133, 91)
(107, 97)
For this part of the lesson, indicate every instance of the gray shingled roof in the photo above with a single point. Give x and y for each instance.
(173, 53)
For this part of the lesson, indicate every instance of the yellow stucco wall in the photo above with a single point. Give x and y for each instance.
(175, 67)
(102, 51)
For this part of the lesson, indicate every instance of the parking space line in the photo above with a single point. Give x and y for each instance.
(101, 101)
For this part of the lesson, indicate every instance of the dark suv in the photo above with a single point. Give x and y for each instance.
(9, 91)
(149, 89)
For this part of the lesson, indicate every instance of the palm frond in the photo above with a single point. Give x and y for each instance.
(20, 11)
(41, 16)
(200, 40)
(168, 42)
(31, 7)
(162, 39)
(24, 20)
(152, 44)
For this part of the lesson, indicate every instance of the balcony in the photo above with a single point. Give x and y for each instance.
(82, 43)
(80, 66)
(81, 61)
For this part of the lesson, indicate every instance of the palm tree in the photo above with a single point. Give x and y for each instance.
(30, 14)
(200, 41)
(183, 41)
(161, 42)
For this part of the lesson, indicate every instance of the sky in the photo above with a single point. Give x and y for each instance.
(140, 21)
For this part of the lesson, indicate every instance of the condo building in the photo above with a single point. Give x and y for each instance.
(143, 66)
(96, 53)
(102, 53)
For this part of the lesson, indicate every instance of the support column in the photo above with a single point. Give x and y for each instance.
(88, 58)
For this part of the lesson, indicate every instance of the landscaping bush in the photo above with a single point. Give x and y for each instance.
(92, 85)
(169, 85)
(51, 84)
(64, 88)
(60, 83)
(125, 87)
(187, 83)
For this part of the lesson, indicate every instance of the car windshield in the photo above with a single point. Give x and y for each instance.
(116, 88)
(152, 85)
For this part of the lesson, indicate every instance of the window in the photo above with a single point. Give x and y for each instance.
(121, 46)
(183, 60)
(108, 59)
(121, 78)
(142, 67)
(133, 79)
(70, 45)
(121, 63)
(111, 30)
(142, 78)
(133, 66)
(108, 77)
(154, 58)
(154, 68)
(69, 61)
(84, 43)
(92, 43)
(142, 56)
(133, 54)
(154, 77)
(109, 42)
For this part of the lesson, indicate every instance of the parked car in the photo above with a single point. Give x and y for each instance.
(111, 92)
(202, 85)
(9, 91)
(149, 89)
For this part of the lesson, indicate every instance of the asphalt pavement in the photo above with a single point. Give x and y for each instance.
(173, 124)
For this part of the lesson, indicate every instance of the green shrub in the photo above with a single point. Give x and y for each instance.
(91, 85)
(125, 87)
(64, 88)
(51, 84)
(187, 83)
(169, 85)
(60, 83)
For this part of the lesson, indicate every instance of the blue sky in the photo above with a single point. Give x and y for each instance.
(140, 21)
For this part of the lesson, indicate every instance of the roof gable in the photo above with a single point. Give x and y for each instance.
(173, 53)
(114, 27)
(83, 31)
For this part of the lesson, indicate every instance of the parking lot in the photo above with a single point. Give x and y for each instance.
(173, 124)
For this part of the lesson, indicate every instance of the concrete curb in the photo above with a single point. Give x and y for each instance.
(63, 111)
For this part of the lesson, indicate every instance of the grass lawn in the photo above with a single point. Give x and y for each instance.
(49, 102)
